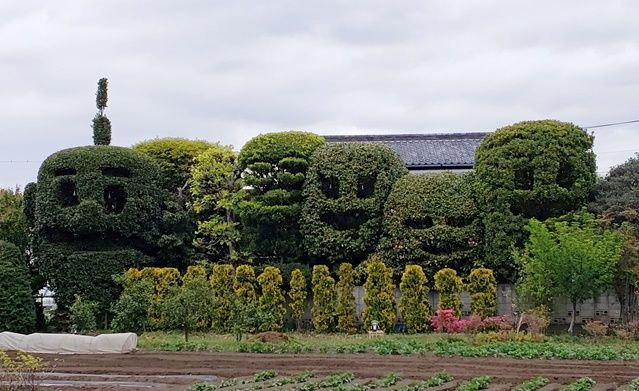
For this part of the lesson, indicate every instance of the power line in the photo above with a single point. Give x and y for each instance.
(612, 124)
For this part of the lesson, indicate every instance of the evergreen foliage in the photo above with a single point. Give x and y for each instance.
(482, 287)
(14, 227)
(17, 307)
(346, 187)
(273, 168)
(414, 304)
(101, 124)
(379, 298)
(449, 286)
(213, 188)
(432, 221)
(323, 310)
(271, 300)
(346, 308)
(221, 279)
(244, 284)
(162, 279)
(297, 295)
(537, 169)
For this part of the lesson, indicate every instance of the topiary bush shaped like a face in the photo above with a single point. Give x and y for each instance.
(98, 193)
(537, 169)
(431, 220)
(346, 188)
(96, 214)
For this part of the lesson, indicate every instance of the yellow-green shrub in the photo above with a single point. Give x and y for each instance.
(244, 284)
(221, 281)
(482, 287)
(162, 279)
(323, 299)
(271, 301)
(297, 295)
(346, 308)
(379, 300)
(414, 305)
(449, 286)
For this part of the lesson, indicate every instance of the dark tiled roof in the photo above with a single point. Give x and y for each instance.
(425, 151)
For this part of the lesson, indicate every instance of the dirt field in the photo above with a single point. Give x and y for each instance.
(174, 371)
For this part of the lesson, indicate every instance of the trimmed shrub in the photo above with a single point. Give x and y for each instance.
(432, 221)
(346, 187)
(221, 279)
(101, 124)
(244, 284)
(297, 295)
(449, 286)
(273, 167)
(83, 315)
(162, 279)
(17, 307)
(323, 299)
(414, 305)
(482, 287)
(346, 308)
(271, 300)
(537, 169)
(379, 299)
(14, 227)
(97, 213)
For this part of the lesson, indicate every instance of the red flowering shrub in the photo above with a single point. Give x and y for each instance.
(443, 320)
(446, 321)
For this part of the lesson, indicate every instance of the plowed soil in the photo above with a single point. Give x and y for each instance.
(174, 371)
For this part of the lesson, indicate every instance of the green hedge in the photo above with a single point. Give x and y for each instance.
(537, 169)
(432, 221)
(273, 167)
(346, 188)
(17, 307)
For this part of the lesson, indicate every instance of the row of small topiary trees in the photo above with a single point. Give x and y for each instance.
(235, 300)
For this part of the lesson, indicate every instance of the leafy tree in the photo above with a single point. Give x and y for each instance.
(176, 158)
(482, 287)
(323, 310)
(132, 309)
(297, 295)
(449, 286)
(572, 257)
(346, 308)
(379, 298)
(17, 308)
(213, 187)
(101, 124)
(346, 187)
(413, 304)
(13, 221)
(189, 306)
(537, 169)
(616, 200)
(272, 299)
(432, 221)
(221, 280)
(83, 314)
(273, 168)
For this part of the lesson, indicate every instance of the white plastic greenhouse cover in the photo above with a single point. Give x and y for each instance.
(68, 343)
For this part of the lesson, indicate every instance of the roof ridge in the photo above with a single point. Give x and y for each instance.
(406, 136)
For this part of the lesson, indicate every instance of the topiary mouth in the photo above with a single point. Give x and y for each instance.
(346, 220)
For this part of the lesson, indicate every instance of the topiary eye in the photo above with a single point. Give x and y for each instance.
(366, 186)
(330, 186)
(114, 198)
(68, 192)
(524, 179)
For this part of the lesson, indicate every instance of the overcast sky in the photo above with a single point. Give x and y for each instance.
(229, 70)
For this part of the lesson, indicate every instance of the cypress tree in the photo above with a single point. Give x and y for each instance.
(323, 299)
(379, 300)
(17, 307)
(297, 295)
(346, 309)
(449, 286)
(414, 305)
(101, 124)
(271, 301)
